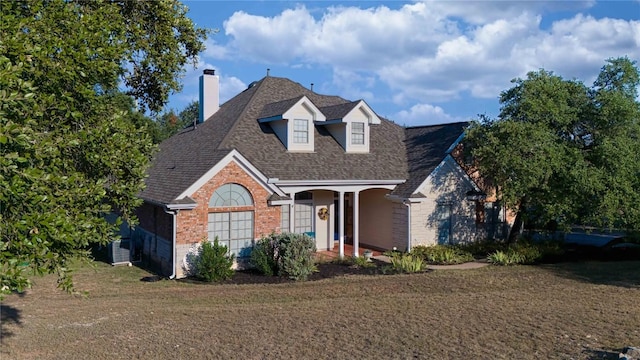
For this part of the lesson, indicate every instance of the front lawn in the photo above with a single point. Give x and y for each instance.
(573, 310)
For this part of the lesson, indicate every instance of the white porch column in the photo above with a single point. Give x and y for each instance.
(356, 222)
(341, 225)
(292, 212)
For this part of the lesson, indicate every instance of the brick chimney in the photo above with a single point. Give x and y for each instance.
(209, 94)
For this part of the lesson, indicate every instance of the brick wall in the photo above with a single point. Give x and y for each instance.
(154, 219)
(192, 224)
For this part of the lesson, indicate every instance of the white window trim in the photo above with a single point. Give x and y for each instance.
(360, 132)
(296, 131)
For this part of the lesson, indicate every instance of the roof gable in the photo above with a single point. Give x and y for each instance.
(287, 108)
(426, 148)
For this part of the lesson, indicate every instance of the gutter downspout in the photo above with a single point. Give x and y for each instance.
(174, 214)
(408, 205)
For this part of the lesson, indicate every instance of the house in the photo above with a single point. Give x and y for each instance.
(279, 157)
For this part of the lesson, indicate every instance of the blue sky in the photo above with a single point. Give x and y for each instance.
(416, 63)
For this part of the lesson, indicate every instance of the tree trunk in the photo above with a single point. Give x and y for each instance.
(518, 225)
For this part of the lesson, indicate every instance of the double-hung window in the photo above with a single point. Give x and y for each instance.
(357, 133)
(301, 131)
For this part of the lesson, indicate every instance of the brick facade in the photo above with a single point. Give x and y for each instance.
(154, 219)
(192, 224)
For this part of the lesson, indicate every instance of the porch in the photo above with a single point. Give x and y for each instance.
(328, 255)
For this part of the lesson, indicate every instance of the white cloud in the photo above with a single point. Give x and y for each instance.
(272, 40)
(482, 12)
(432, 51)
(424, 114)
(353, 85)
(230, 87)
(215, 51)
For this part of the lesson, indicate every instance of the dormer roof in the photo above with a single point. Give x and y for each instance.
(341, 112)
(280, 110)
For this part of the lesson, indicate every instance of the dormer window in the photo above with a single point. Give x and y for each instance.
(292, 121)
(357, 133)
(301, 131)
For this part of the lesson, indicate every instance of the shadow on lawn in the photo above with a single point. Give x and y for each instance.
(8, 315)
(601, 266)
(601, 354)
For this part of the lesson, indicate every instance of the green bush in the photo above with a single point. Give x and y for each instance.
(361, 262)
(407, 263)
(481, 249)
(264, 256)
(212, 262)
(442, 254)
(287, 254)
(507, 257)
(526, 252)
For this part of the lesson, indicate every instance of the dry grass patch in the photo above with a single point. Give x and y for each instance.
(577, 310)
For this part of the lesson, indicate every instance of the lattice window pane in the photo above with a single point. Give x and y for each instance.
(234, 229)
(357, 133)
(231, 195)
(284, 218)
(303, 218)
(300, 131)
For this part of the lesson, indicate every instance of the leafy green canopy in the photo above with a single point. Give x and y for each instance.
(562, 153)
(72, 147)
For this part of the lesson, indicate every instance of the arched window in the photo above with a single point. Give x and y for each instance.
(230, 195)
(233, 228)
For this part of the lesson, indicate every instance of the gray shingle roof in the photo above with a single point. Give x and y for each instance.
(426, 148)
(185, 157)
(278, 108)
(329, 161)
(339, 111)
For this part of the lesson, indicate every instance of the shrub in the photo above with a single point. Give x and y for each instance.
(407, 263)
(297, 259)
(361, 262)
(507, 257)
(442, 254)
(212, 262)
(287, 254)
(526, 252)
(264, 256)
(481, 249)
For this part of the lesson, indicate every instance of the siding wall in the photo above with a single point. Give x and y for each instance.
(324, 228)
(448, 187)
(376, 219)
(400, 222)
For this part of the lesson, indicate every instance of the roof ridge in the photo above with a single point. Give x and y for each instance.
(433, 125)
(244, 110)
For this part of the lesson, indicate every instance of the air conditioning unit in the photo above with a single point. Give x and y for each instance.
(119, 253)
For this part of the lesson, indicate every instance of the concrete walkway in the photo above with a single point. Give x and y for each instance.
(465, 266)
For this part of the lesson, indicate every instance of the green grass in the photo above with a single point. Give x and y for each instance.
(573, 310)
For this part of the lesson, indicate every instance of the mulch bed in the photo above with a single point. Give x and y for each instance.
(325, 271)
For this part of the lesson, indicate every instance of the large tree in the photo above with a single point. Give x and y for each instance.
(72, 149)
(565, 154)
(170, 123)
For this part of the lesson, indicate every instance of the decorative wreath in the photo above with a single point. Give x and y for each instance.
(323, 213)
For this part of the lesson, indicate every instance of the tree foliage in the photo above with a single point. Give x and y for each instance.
(564, 153)
(170, 123)
(72, 146)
